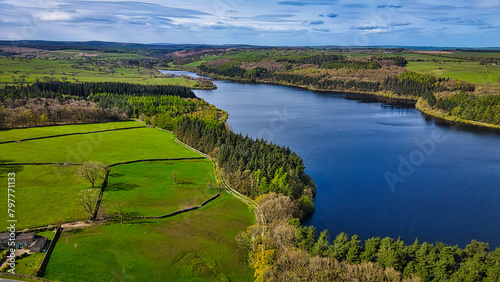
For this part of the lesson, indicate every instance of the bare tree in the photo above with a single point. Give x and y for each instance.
(175, 176)
(87, 199)
(91, 171)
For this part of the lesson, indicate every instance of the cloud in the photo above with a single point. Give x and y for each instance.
(304, 2)
(355, 6)
(272, 17)
(321, 29)
(368, 27)
(316, 22)
(54, 16)
(445, 19)
(331, 15)
(497, 27)
(131, 8)
(390, 6)
(399, 24)
(443, 7)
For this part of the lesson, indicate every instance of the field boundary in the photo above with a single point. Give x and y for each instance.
(176, 212)
(234, 193)
(157, 160)
(50, 249)
(59, 164)
(69, 134)
(99, 198)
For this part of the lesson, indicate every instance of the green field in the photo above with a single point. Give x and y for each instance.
(466, 71)
(32, 132)
(47, 194)
(198, 245)
(147, 188)
(15, 70)
(194, 246)
(107, 147)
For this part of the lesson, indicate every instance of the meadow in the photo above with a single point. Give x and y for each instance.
(148, 188)
(466, 71)
(20, 70)
(47, 194)
(107, 147)
(33, 132)
(194, 246)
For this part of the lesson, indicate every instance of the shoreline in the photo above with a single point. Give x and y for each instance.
(443, 119)
(388, 98)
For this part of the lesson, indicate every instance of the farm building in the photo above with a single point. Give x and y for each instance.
(29, 241)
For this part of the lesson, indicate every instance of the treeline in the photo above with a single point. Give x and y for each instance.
(54, 89)
(472, 107)
(161, 106)
(47, 111)
(227, 69)
(412, 84)
(315, 59)
(284, 248)
(160, 111)
(328, 84)
(427, 261)
(253, 167)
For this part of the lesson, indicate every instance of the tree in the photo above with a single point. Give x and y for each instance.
(91, 171)
(175, 176)
(370, 249)
(321, 247)
(87, 199)
(353, 254)
(340, 247)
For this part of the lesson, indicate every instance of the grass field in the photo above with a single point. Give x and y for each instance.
(32, 132)
(147, 188)
(194, 246)
(107, 147)
(27, 71)
(467, 71)
(47, 194)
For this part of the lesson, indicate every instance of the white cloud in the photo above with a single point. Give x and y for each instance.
(53, 16)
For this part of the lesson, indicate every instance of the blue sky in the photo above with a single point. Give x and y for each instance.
(271, 22)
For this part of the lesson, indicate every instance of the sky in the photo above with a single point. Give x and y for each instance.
(446, 23)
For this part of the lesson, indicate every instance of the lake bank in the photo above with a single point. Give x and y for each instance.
(379, 96)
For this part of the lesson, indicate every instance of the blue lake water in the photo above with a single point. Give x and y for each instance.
(380, 170)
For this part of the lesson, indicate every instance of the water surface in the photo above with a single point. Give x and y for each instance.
(380, 170)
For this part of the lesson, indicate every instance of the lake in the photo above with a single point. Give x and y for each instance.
(380, 170)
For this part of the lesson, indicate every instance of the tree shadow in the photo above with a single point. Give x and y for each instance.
(116, 174)
(121, 186)
(185, 181)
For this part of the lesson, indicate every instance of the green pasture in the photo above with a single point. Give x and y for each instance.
(108, 147)
(467, 71)
(148, 188)
(194, 246)
(33, 132)
(44, 195)
(17, 70)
